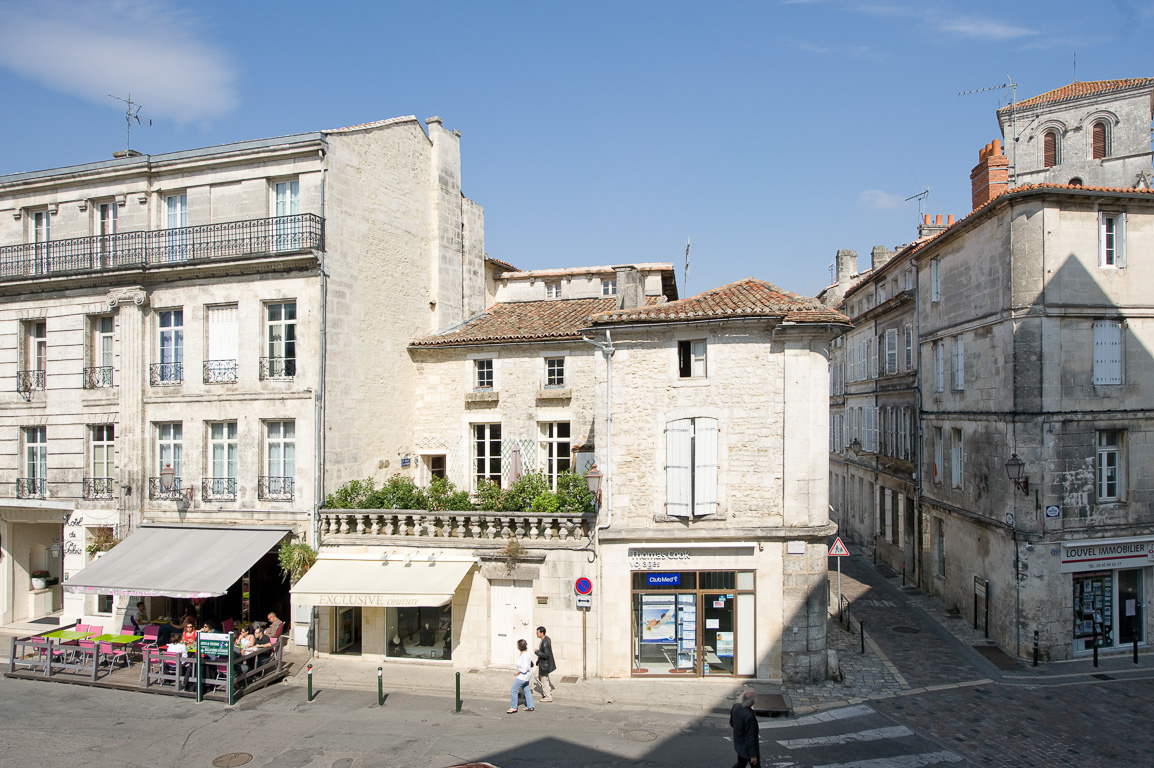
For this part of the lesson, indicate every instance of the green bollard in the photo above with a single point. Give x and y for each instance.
(380, 687)
(458, 692)
(309, 670)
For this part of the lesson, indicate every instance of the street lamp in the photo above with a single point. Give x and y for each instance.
(167, 477)
(1014, 469)
(593, 480)
(855, 446)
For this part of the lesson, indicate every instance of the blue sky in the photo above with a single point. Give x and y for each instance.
(771, 133)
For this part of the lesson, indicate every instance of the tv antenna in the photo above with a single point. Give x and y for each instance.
(921, 198)
(130, 114)
(1013, 87)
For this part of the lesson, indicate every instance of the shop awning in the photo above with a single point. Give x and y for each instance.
(379, 583)
(177, 561)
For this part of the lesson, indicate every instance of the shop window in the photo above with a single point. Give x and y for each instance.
(419, 633)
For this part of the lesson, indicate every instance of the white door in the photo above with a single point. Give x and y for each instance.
(510, 618)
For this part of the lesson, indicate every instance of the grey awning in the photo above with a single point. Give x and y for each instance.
(177, 561)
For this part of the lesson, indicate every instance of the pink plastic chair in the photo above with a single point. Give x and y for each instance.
(227, 625)
(121, 653)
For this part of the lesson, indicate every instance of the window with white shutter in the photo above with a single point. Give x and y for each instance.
(852, 363)
(935, 281)
(871, 434)
(691, 467)
(959, 363)
(891, 351)
(1107, 352)
(704, 466)
(220, 366)
(909, 348)
(1111, 239)
(939, 366)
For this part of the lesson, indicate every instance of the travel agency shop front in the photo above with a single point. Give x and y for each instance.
(1110, 580)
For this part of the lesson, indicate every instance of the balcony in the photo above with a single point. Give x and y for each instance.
(99, 488)
(157, 491)
(31, 488)
(166, 374)
(275, 488)
(164, 247)
(98, 378)
(492, 526)
(274, 368)
(28, 381)
(218, 489)
(220, 371)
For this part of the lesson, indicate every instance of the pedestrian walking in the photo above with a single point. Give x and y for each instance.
(744, 724)
(521, 680)
(545, 665)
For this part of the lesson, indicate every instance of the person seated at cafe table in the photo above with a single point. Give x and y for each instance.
(245, 639)
(138, 616)
(188, 635)
(175, 626)
(261, 642)
(274, 625)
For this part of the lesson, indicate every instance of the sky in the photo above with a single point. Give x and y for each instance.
(769, 134)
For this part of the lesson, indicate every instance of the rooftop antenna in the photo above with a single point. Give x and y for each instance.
(1013, 119)
(130, 114)
(685, 279)
(921, 198)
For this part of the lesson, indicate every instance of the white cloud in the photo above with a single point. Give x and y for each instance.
(879, 200)
(983, 28)
(142, 47)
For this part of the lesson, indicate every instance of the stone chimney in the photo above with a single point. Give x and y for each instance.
(846, 265)
(928, 227)
(991, 176)
(630, 287)
(880, 255)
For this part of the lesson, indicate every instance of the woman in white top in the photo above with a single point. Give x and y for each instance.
(521, 679)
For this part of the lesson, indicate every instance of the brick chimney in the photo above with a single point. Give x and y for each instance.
(991, 176)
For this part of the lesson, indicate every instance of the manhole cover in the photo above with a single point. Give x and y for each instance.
(907, 630)
(569, 679)
(640, 735)
(232, 759)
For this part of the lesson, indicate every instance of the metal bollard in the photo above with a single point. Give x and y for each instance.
(309, 670)
(1095, 651)
(380, 686)
(1035, 647)
(903, 575)
(458, 691)
(862, 624)
(1135, 645)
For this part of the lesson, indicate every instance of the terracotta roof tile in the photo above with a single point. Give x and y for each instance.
(745, 298)
(1074, 90)
(502, 265)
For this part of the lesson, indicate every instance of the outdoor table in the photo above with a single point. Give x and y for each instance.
(67, 634)
(118, 639)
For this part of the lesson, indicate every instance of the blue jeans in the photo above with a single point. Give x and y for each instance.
(517, 686)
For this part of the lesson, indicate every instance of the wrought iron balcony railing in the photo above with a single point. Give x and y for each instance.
(157, 491)
(277, 368)
(166, 374)
(275, 488)
(98, 488)
(27, 381)
(31, 487)
(79, 255)
(218, 489)
(98, 378)
(220, 371)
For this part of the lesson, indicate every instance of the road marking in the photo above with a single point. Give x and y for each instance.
(873, 734)
(829, 715)
(900, 761)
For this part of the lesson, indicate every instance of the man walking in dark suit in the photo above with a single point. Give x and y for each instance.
(545, 665)
(744, 724)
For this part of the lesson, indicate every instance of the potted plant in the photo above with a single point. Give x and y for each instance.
(40, 579)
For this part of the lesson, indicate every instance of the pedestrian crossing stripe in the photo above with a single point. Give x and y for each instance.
(838, 549)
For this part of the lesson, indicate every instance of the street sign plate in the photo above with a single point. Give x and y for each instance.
(583, 586)
(584, 601)
(838, 549)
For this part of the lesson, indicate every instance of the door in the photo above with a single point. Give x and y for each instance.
(1130, 619)
(176, 219)
(287, 204)
(510, 618)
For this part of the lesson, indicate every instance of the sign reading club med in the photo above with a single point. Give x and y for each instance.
(1106, 554)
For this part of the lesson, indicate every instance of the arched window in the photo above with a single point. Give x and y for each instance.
(1050, 149)
(1101, 139)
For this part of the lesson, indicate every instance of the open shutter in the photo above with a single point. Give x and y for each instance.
(678, 467)
(891, 351)
(705, 467)
(1107, 352)
(870, 430)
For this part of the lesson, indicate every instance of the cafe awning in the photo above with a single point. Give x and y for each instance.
(177, 561)
(379, 583)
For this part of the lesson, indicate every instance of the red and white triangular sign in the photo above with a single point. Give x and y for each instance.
(838, 549)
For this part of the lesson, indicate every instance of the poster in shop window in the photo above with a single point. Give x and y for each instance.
(658, 619)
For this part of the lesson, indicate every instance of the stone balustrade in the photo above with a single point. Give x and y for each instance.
(456, 525)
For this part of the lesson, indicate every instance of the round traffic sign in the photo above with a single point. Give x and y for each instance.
(583, 586)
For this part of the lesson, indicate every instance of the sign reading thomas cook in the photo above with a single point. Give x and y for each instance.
(1106, 554)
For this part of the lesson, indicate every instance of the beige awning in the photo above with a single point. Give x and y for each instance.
(377, 583)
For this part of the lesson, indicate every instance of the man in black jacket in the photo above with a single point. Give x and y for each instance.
(744, 724)
(545, 665)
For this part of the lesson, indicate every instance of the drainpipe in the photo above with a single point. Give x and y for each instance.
(607, 350)
(319, 396)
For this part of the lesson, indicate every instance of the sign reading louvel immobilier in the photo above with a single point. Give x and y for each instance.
(1106, 554)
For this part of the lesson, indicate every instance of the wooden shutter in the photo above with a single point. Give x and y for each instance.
(1099, 140)
(678, 467)
(1107, 352)
(704, 466)
(959, 363)
(891, 351)
(870, 429)
(1050, 149)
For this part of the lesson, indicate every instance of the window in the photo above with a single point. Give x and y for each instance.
(691, 359)
(35, 356)
(41, 232)
(280, 452)
(935, 281)
(870, 443)
(170, 369)
(939, 366)
(483, 374)
(99, 485)
(487, 453)
(903, 434)
(939, 454)
(1050, 149)
(286, 203)
(554, 372)
(852, 363)
(436, 466)
(873, 359)
(99, 374)
(691, 467)
(220, 367)
(169, 453)
(176, 219)
(891, 351)
(909, 347)
(105, 231)
(881, 293)
(1111, 240)
(281, 336)
(959, 363)
(608, 286)
(1107, 352)
(556, 450)
(1100, 138)
(940, 546)
(911, 278)
(34, 484)
(221, 485)
(1110, 478)
(552, 290)
(956, 458)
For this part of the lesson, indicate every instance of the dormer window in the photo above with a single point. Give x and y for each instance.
(608, 286)
(1050, 149)
(1100, 137)
(552, 290)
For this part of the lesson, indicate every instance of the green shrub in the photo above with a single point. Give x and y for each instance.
(442, 495)
(398, 492)
(490, 497)
(524, 490)
(546, 504)
(296, 558)
(573, 494)
(351, 495)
